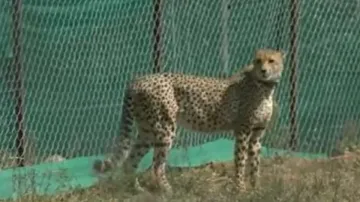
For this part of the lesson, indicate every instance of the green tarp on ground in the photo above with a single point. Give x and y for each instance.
(77, 173)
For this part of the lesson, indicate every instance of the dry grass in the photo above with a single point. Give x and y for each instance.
(283, 179)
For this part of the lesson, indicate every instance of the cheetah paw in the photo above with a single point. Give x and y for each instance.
(138, 188)
(101, 166)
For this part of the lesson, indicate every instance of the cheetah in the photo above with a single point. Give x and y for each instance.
(158, 103)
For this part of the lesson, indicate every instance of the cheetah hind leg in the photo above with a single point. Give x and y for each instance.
(162, 146)
(140, 149)
(122, 145)
(121, 152)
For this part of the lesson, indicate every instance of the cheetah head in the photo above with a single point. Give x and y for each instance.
(268, 65)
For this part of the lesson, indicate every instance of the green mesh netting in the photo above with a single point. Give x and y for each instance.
(78, 55)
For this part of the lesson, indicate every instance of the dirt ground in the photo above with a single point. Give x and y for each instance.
(283, 179)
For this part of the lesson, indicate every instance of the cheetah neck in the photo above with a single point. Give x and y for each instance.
(268, 84)
(263, 89)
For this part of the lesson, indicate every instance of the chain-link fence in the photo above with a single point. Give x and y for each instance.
(64, 66)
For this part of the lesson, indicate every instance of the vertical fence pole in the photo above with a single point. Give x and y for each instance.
(225, 10)
(157, 14)
(17, 62)
(294, 12)
(280, 24)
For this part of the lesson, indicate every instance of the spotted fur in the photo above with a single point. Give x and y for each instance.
(158, 103)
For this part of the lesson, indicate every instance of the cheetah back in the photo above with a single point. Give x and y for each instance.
(197, 101)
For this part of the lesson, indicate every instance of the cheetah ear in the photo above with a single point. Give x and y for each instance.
(283, 53)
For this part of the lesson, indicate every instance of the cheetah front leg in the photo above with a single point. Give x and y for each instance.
(242, 135)
(254, 155)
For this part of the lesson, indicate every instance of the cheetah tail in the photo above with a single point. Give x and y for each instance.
(124, 143)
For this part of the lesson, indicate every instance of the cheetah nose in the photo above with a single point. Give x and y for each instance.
(263, 71)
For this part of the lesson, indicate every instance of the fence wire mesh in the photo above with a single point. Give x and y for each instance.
(77, 56)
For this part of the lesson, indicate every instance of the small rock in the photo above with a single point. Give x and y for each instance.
(54, 158)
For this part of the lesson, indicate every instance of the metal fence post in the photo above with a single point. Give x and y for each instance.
(294, 12)
(17, 62)
(157, 34)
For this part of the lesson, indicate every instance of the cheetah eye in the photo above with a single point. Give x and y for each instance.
(271, 61)
(257, 61)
